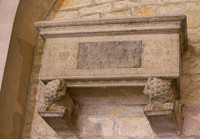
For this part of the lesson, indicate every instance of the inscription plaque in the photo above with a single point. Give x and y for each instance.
(112, 54)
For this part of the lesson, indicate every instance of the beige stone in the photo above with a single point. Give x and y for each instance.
(107, 125)
(101, 1)
(38, 59)
(63, 4)
(145, 10)
(112, 110)
(190, 96)
(40, 127)
(36, 72)
(119, 13)
(95, 9)
(171, 8)
(192, 6)
(193, 18)
(91, 16)
(169, 1)
(91, 137)
(34, 90)
(124, 4)
(134, 126)
(189, 82)
(191, 64)
(66, 15)
(40, 45)
(191, 125)
(117, 137)
(89, 126)
(92, 125)
(147, 2)
(194, 38)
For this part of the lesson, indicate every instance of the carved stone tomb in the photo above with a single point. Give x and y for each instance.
(113, 61)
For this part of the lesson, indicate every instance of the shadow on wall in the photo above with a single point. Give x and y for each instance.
(18, 65)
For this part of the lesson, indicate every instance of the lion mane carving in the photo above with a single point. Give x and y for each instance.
(160, 93)
(55, 97)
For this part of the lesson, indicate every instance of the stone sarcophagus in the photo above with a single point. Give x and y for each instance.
(111, 61)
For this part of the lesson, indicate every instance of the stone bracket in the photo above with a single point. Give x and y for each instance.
(60, 122)
(165, 122)
(59, 110)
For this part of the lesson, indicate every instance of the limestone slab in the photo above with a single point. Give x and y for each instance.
(104, 55)
(158, 58)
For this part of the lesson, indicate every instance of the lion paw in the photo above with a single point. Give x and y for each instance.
(168, 105)
(61, 108)
(148, 107)
(43, 108)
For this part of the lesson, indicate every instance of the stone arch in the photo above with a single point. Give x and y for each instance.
(16, 73)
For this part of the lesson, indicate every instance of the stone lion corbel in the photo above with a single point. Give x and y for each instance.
(161, 95)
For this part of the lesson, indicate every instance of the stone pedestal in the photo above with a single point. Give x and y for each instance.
(60, 124)
(165, 122)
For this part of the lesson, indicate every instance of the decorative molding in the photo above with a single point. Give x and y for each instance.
(99, 27)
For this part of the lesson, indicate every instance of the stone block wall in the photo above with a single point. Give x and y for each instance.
(123, 122)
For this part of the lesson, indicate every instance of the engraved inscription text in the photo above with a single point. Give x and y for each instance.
(112, 54)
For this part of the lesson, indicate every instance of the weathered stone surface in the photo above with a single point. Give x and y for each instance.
(134, 126)
(40, 127)
(127, 12)
(117, 137)
(101, 1)
(191, 125)
(112, 110)
(124, 4)
(172, 8)
(91, 16)
(95, 9)
(170, 1)
(99, 55)
(190, 96)
(91, 125)
(38, 59)
(91, 137)
(193, 18)
(190, 82)
(63, 4)
(191, 64)
(145, 10)
(65, 15)
(147, 2)
(192, 5)
(35, 72)
(33, 91)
